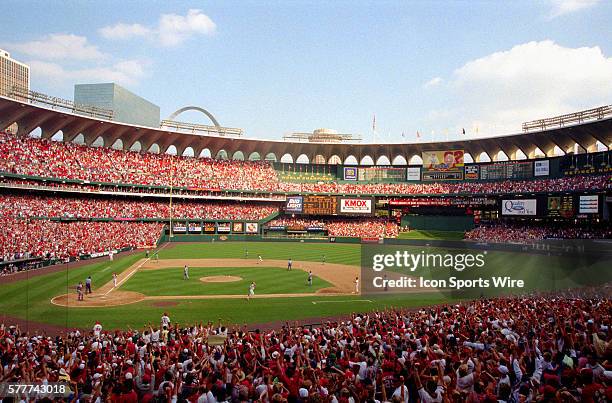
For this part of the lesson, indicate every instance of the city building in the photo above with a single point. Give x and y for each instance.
(127, 107)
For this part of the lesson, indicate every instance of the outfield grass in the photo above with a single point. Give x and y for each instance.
(269, 280)
(423, 234)
(30, 299)
(312, 252)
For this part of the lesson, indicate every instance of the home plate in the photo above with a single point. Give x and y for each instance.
(350, 300)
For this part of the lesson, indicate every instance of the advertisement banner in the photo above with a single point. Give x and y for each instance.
(223, 227)
(442, 160)
(179, 228)
(413, 173)
(355, 206)
(252, 228)
(195, 227)
(588, 204)
(446, 201)
(541, 168)
(209, 228)
(238, 227)
(296, 228)
(294, 204)
(350, 173)
(519, 207)
(471, 172)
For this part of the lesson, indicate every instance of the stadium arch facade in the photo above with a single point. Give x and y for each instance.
(28, 117)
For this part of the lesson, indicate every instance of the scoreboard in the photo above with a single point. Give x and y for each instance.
(320, 205)
(507, 170)
(561, 206)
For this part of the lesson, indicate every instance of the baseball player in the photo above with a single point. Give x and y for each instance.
(260, 259)
(323, 259)
(251, 290)
(88, 285)
(356, 285)
(110, 255)
(114, 280)
(310, 278)
(289, 264)
(186, 272)
(246, 253)
(79, 289)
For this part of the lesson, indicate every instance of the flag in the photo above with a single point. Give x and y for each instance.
(418, 135)
(463, 130)
(374, 123)
(403, 134)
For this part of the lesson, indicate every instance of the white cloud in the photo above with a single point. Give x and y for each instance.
(124, 31)
(498, 92)
(172, 29)
(127, 72)
(433, 82)
(58, 47)
(562, 7)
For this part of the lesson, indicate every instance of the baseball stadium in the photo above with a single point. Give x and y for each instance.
(148, 259)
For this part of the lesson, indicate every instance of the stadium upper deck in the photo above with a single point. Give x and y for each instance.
(571, 131)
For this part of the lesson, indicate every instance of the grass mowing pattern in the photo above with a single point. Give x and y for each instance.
(270, 280)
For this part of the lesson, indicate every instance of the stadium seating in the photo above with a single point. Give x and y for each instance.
(522, 233)
(48, 159)
(491, 350)
(89, 207)
(24, 238)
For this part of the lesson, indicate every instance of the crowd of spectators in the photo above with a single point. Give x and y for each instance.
(45, 158)
(94, 207)
(54, 240)
(574, 183)
(521, 349)
(524, 233)
(342, 227)
(363, 228)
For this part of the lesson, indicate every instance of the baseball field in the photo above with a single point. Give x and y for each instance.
(220, 275)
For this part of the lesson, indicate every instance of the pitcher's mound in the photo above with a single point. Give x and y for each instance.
(220, 279)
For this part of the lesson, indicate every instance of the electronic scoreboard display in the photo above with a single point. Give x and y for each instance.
(561, 206)
(507, 170)
(320, 205)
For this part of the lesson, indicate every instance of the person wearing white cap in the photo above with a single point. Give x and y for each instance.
(505, 378)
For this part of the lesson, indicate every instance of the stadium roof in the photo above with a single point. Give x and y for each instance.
(28, 117)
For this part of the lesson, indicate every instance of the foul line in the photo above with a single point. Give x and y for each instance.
(127, 277)
(350, 300)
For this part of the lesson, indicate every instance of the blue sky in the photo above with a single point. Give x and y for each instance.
(273, 67)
